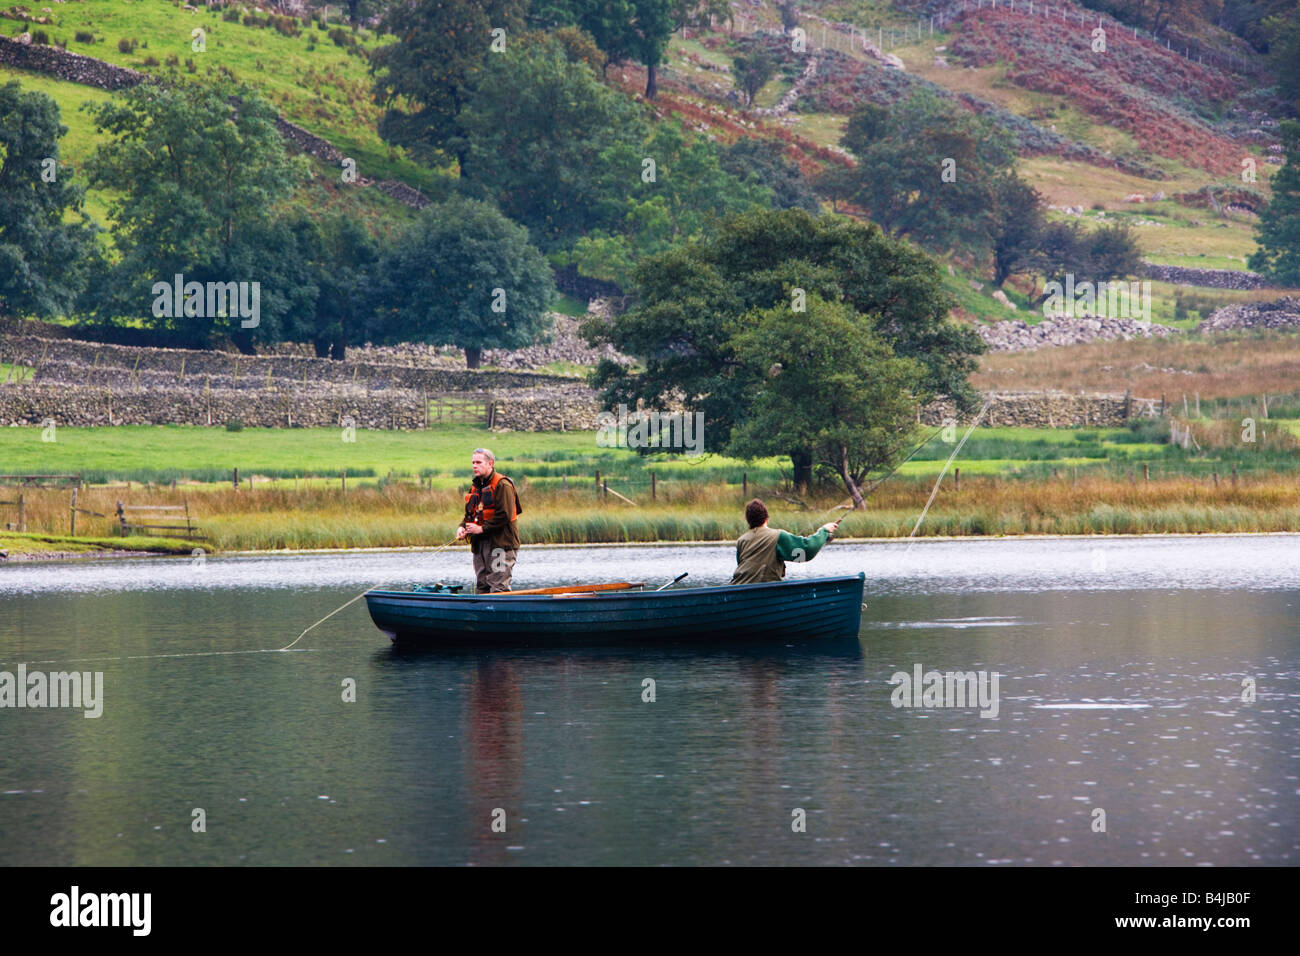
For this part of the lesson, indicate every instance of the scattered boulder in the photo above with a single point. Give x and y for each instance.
(1002, 297)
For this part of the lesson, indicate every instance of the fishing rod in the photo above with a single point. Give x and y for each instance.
(358, 598)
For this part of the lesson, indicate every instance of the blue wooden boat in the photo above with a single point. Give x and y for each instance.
(621, 614)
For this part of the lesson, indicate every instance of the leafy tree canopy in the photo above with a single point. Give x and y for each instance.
(688, 300)
(426, 76)
(826, 387)
(926, 170)
(197, 170)
(550, 144)
(682, 190)
(42, 257)
(465, 275)
(1278, 231)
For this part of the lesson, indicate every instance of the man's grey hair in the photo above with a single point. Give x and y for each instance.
(486, 453)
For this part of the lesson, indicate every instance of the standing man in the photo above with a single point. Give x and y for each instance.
(761, 552)
(491, 510)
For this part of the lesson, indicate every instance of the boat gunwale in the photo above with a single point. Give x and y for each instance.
(430, 596)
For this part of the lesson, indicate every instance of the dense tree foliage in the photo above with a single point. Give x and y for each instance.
(764, 161)
(680, 192)
(464, 275)
(926, 170)
(1108, 252)
(1017, 226)
(42, 255)
(555, 148)
(751, 73)
(426, 76)
(196, 172)
(1278, 233)
(825, 387)
(625, 29)
(689, 299)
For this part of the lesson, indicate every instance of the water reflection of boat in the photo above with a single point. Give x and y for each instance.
(620, 613)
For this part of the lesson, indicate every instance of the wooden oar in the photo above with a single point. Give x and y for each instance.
(583, 588)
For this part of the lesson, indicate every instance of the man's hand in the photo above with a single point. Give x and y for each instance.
(460, 532)
(830, 526)
(471, 528)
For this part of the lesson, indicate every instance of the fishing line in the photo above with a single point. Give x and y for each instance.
(890, 474)
(935, 491)
(358, 598)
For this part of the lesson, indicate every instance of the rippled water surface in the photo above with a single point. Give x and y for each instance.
(1122, 665)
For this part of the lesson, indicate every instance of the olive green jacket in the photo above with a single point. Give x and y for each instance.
(761, 553)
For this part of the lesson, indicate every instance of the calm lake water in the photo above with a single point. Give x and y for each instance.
(1122, 667)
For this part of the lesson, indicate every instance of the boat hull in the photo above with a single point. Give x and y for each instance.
(814, 608)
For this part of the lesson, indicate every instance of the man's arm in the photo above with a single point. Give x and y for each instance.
(791, 547)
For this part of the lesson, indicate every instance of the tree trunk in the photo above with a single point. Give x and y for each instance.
(651, 82)
(338, 350)
(802, 461)
(854, 491)
(243, 341)
(473, 357)
(321, 347)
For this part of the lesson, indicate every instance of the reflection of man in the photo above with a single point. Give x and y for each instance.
(491, 511)
(761, 552)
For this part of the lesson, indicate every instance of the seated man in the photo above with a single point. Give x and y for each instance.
(761, 552)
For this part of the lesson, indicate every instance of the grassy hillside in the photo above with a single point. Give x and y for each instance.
(314, 82)
(1016, 66)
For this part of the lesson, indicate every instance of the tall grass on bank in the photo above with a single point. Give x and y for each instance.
(405, 515)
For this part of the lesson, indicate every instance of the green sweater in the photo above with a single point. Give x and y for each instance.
(761, 553)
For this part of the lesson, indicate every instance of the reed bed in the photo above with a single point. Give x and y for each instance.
(405, 515)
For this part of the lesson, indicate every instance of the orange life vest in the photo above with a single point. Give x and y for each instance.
(480, 503)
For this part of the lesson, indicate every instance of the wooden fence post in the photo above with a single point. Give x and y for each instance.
(235, 480)
(22, 512)
(344, 480)
(957, 479)
(72, 521)
(744, 485)
(653, 486)
(1146, 473)
(605, 486)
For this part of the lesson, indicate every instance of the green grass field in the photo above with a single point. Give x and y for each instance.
(159, 454)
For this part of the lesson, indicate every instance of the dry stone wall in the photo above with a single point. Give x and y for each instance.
(91, 406)
(1213, 278)
(73, 67)
(567, 408)
(1049, 410)
(123, 366)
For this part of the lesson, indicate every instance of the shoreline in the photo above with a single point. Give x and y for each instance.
(28, 557)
